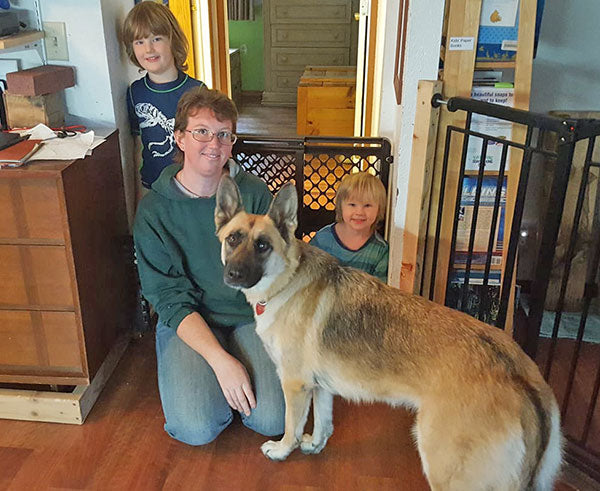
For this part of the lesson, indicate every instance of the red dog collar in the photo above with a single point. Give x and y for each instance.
(260, 307)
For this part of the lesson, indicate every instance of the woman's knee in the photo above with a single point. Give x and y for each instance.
(268, 420)
(196, 433)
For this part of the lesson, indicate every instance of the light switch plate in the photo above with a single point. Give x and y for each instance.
(56, 41)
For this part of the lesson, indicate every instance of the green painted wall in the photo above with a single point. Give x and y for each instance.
(250, 34)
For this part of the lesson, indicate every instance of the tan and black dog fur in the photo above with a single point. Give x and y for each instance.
(486, 419)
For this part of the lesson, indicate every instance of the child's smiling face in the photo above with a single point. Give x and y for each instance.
(360, 213)
(154, 54)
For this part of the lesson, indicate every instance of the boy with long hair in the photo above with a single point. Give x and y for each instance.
(155, 43)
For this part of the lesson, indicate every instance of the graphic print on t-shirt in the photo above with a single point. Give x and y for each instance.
(151, 116)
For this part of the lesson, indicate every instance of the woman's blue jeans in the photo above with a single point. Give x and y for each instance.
(194, 406)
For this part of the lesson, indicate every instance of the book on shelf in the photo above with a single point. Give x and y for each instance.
(499, 29)
(19, 153)
(499, 94)
(483, 226)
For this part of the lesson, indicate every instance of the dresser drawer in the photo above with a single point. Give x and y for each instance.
(31, 209)
(299, 58)
(285, 81)
(318, 35)
(310, 12)
(34, 340)
(36, 277)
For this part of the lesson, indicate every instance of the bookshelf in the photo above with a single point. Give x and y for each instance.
(462, 21)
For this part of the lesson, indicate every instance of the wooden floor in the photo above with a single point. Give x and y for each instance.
(122, 445)
(273, 121)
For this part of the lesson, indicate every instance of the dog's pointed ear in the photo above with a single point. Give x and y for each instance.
(284, 211)
(229, 201)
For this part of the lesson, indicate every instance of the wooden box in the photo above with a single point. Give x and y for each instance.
(23, 111)
(326, 100)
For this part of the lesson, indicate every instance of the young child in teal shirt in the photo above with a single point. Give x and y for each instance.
(359, 207)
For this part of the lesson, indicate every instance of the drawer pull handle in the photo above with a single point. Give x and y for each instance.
(336, 35)
(284, 59)
(284, 35)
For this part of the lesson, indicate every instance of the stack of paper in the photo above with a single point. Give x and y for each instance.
(68, 148)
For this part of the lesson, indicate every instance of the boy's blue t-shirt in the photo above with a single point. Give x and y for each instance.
(151, 109)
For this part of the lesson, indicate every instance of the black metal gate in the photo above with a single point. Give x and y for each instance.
(565, 345)
(316, 165)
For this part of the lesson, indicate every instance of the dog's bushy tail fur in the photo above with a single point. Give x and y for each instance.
(548, 466)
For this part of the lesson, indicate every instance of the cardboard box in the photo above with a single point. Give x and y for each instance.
(46, 79)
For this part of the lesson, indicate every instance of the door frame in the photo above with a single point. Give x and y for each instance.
(210, 52)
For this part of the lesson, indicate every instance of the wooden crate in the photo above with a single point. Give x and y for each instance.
(23, 111)
(326, 100)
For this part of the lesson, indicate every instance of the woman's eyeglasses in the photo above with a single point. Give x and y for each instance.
(204, 135)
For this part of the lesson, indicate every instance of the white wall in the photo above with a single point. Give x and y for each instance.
(102, 71)
(397, 121)
(566, 70)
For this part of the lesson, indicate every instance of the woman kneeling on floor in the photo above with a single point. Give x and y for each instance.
(210, 359)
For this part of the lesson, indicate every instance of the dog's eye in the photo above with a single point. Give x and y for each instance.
(232, 239)
(262, 245)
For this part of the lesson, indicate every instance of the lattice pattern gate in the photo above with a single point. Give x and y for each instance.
(316, 165)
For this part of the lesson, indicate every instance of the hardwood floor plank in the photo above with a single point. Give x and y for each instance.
(11, 461)
(270, 121)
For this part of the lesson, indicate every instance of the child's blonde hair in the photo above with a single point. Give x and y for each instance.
(365, 186)
(154, 18)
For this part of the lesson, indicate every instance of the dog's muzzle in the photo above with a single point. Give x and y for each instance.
(241, 276)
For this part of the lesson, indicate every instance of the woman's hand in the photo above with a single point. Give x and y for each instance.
(231, 374)
(235, 384)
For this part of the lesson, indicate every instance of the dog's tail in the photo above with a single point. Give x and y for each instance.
(545, 448)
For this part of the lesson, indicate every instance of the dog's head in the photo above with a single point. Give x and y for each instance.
(255, 249)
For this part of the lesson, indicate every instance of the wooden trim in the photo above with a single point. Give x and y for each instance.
(219, 46)
(182, 12)
(55, 407)
(419, 187)
(400, 48)
(370, 76)
(463, 20)
(523, 71)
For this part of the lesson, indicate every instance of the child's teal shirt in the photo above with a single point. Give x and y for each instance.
(372, 257)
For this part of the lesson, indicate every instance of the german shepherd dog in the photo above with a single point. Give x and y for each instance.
(486, 419)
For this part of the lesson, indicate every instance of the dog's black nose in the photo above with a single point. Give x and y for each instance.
(233, 274)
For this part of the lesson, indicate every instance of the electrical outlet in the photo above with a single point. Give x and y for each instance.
(244, 49)
(56, 41)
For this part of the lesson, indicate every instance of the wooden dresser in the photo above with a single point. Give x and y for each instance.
(66, 275)
(298, 33)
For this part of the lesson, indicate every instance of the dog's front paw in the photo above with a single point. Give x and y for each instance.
(309, 445)
(275, 450)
